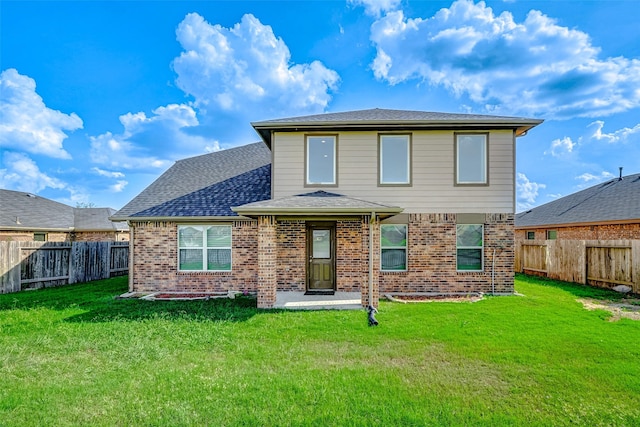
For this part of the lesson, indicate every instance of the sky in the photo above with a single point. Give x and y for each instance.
(98, 98)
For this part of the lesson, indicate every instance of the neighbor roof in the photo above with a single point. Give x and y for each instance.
(190, 186)
(384, 119)
(20, 210)
(26, 211)
(617, 200)
(317, 202)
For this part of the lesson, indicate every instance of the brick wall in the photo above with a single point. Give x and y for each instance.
(432, 257)
(27, 236)
(155, 261)
(100, 236)
(587, 232)
(291, 235)
(351, 258)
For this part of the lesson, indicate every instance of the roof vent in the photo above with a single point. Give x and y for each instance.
(33, 196)
(18, 220)
(620, 178)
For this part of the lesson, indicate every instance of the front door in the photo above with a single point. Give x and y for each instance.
(321, 255)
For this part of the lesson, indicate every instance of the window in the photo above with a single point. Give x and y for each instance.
(393, 247)
(471, 159)
(552, 234)
(394, 153)
(321, 160)
(469, 247)
(204, 247)
(39, 237)
(531, 235)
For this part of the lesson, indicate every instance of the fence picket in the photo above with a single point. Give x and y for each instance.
(43, 264)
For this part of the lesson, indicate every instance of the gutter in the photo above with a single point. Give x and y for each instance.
(371, 226)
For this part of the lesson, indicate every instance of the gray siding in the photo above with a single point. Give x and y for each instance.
(433, 187)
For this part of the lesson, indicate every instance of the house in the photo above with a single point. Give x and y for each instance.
(27, 217)
(606, 211)
(372, 201)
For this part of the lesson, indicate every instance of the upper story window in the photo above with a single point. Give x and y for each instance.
(394, 153)
(472, 162)
(321, 162)
(204, 247)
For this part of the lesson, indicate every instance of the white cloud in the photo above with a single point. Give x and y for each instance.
(247, 67)
(118, 186)
(21, 173)
(27, 123)
(107, 174)
(530, 67)
(166, 132)
(527, 192)
(620, 135)
(559, 147)
(591, 179)
(376, 8)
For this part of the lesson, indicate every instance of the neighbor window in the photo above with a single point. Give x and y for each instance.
(321, 160)
(393, 247)
(531, 235)
(469, 247)
(471, 159)
(552, 234)
(39, 237)
(204, 247)
(395, 159)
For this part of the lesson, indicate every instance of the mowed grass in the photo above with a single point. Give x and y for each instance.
(76, 356)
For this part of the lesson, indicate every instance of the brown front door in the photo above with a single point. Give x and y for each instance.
(321, 249)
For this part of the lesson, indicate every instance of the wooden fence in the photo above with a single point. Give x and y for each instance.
(29, 265)
(597, 263)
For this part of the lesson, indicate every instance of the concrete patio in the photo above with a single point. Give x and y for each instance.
(300, 301)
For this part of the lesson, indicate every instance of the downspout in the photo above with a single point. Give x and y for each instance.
(371, 225)
(493, 268)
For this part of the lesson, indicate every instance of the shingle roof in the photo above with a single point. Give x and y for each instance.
(86, 219)
(614, 200)
(217, 199)
(20, 210)
(193, 174)
(385, 119)
(317, 202)
(25, 210)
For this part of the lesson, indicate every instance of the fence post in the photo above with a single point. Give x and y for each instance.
(635, 265)
(9, 267)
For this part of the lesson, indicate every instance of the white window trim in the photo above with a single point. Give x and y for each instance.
(406, 249)
(335, 161)
(204, 248)
(485, 181)
(481, 248)
(381, 180)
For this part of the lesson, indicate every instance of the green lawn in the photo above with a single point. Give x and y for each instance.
(76, 356)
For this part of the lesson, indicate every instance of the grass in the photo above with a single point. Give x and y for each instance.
(76, 356)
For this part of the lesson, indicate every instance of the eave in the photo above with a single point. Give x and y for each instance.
(579, 224)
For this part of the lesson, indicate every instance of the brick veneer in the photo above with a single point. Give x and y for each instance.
(432, 257)
(587, 232)
(270, 255)
(155, 261)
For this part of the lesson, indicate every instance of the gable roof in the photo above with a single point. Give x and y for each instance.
(385, 119)
(26, 211)
(317, 202)
(182, 191)
(614, 201)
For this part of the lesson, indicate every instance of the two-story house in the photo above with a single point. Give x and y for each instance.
(373, 201)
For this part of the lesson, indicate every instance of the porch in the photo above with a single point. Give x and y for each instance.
(299, 301)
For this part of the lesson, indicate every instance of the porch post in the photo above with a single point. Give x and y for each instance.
(267, 260)
(370, 293)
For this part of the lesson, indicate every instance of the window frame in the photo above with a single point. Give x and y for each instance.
(44, 236)
(405, 248)
(548, 234)
(480, 248)
(307, 182)
(530, 233)
(409, 181)
(205, 247)
(456, 160)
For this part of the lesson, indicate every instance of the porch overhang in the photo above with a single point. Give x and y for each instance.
(318, 203)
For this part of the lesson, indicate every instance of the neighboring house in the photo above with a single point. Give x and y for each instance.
(606, 211)
(27, 217)
(374, 201)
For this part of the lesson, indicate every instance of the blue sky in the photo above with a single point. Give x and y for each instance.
(99, 98)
